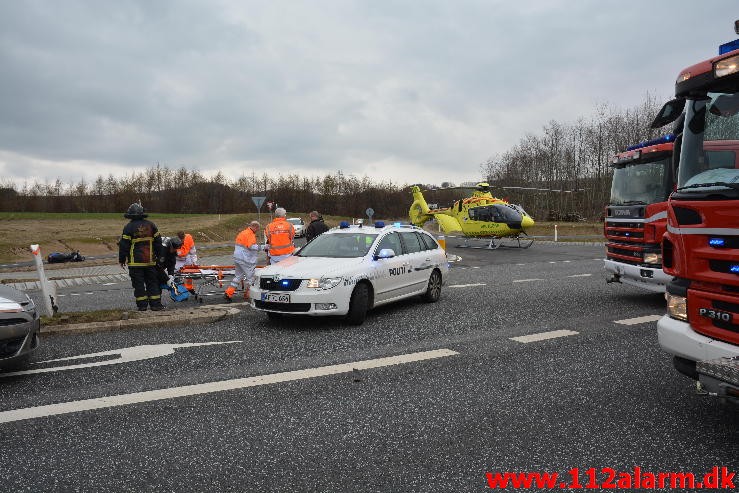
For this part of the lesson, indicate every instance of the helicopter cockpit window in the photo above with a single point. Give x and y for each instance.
(486, 213)
(412, 242)
(494, 213)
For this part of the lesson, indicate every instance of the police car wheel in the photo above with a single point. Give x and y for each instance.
(433, 291)
(358, 305)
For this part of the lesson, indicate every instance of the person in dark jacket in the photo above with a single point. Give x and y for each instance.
(139, 249)
(168, 258)
(316, 226)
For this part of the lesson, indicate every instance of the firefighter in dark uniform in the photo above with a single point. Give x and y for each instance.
(139, 249)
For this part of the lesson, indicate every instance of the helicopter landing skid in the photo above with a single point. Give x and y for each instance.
(522, 241)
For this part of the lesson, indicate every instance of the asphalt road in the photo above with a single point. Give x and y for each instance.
(461, 399)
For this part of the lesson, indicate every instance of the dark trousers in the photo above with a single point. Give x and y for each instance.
(145, 282)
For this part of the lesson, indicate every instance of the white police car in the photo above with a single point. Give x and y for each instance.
(351, 269)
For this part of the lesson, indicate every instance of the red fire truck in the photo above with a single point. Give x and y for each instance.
(701, 246)
(636, 215)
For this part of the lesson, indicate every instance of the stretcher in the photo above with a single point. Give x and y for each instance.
(203, 276)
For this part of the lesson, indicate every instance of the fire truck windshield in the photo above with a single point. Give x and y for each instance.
(708, 159)
(643, 183)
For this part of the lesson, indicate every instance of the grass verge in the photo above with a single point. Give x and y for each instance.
(87, 317)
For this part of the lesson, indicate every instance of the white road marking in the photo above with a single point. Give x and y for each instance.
(520, 264)
(109, 283)
(580, 275)
(76, 294)
(466, 285)
(207, 388)
(527, 280)
(543, 336)
(126, 355)
(639, 320)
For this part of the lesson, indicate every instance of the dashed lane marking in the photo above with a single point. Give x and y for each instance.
(580, 275)
(467, 285)
(543, 336)
(211, 387)
(639, 320)
(527, 280)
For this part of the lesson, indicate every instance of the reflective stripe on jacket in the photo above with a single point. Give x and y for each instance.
(140, 244)
(280, 234)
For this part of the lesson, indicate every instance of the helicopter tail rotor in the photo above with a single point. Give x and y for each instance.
(419, 211)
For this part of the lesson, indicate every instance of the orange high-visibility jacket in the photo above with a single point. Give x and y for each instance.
(187, 244)
(280, 234)
(247, 248)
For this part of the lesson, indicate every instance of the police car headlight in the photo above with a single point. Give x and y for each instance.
(324, 282)
(652, 258)
(677, 307)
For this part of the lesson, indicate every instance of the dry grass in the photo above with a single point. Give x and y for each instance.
(97, 234)
(86, 317)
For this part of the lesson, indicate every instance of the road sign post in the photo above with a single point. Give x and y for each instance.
(258, 201)
(370, 212)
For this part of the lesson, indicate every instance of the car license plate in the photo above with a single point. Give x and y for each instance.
(276, 297)
(715, 314)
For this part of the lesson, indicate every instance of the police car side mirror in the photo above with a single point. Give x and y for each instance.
(385, 253)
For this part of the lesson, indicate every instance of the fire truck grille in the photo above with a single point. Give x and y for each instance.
(637, 257)
(724, 306)
(611, 224)
(722, 266)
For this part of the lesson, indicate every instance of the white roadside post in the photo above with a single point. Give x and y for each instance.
(48, 290)
(555, 232)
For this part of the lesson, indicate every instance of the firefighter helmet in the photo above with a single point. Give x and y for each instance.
(135, 211)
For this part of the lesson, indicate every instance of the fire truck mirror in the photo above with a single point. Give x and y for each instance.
(669, 113)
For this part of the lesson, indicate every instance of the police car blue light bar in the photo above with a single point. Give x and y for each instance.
(659, 140)
(734, 268)
(717, 242)
(379, 224)
(343, 224)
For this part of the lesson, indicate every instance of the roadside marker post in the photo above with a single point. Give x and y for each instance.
(258, 201)
(48, 290)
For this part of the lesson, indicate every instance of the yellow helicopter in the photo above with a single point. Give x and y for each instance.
(478, 216)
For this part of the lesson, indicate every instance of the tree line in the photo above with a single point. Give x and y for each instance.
(562, 170)
(565, 168)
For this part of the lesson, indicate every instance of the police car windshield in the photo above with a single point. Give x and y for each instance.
(339, 245)
(295, 220)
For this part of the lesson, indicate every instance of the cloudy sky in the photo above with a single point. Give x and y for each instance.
(416, 90)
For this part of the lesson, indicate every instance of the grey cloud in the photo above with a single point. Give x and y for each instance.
(333, 85)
